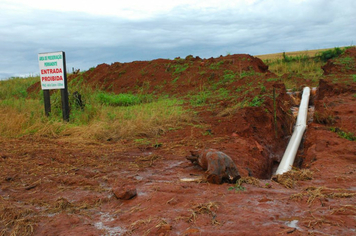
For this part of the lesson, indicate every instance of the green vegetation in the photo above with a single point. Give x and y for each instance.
(237, 187)
(329, 54)
(257, 101)
(16, 87)
(326, 117)
(346, 135)
(216, 65)
(247, 73)
(306, 65)
(200, 98)
(295, 58)
(347, 62)
(297, 65)
(179, 68)
(118, 99)
(229, 76)
(104, 116)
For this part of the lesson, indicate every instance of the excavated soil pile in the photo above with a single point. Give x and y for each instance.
(345, 64)
(178, 76)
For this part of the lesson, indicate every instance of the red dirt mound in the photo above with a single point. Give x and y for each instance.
(178, 76)
(332, 104)
(345, 64)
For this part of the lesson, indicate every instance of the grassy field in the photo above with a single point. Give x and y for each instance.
(306, 64)
(309, 53)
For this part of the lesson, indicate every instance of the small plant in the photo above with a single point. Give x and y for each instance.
(223, 92)
(143, 72)
(142, 141)
(263, 87)
(216, 66)
(228, 77)
(273, 79)
(354, 78)
(237, 187)
(346, 135)
(179, 68)
(200, 98)
(326, 118)
(207, 132)
(175, 80)
(247, 73)
(245, 180)
(257, 101)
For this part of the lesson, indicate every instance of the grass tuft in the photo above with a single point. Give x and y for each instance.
(321, 193)
(289, 178)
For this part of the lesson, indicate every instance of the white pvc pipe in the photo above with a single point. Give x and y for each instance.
(294, 142)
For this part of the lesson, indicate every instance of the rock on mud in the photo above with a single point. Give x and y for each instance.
(125, 192)
(219, 167)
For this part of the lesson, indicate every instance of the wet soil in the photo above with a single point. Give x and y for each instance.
(62, 187)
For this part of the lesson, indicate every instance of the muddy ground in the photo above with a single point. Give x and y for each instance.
(66, 187)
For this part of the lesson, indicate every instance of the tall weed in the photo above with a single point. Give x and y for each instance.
(16, 87)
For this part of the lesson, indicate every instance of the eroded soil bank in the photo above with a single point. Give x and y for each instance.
(61, 187)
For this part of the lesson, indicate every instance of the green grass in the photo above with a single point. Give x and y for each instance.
(257, 101)
(346, 135)
(109, 99)
(347, 62)
(329, 54)
(16, 87)
(244, 74)
(353, 78)
(228, 77)
(104, 115)
(237, 187)
(200, 98)
(216, 65)
(179, 68)
(300, 58)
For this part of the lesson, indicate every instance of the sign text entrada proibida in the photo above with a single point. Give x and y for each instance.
(52, 70)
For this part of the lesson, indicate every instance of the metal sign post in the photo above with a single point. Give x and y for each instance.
(64, 92)
(54, 76)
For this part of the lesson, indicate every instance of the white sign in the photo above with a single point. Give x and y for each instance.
(51, 70)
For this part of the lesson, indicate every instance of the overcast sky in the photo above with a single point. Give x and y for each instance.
(106, 31)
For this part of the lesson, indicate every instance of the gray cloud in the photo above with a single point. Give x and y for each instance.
(263, 27)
